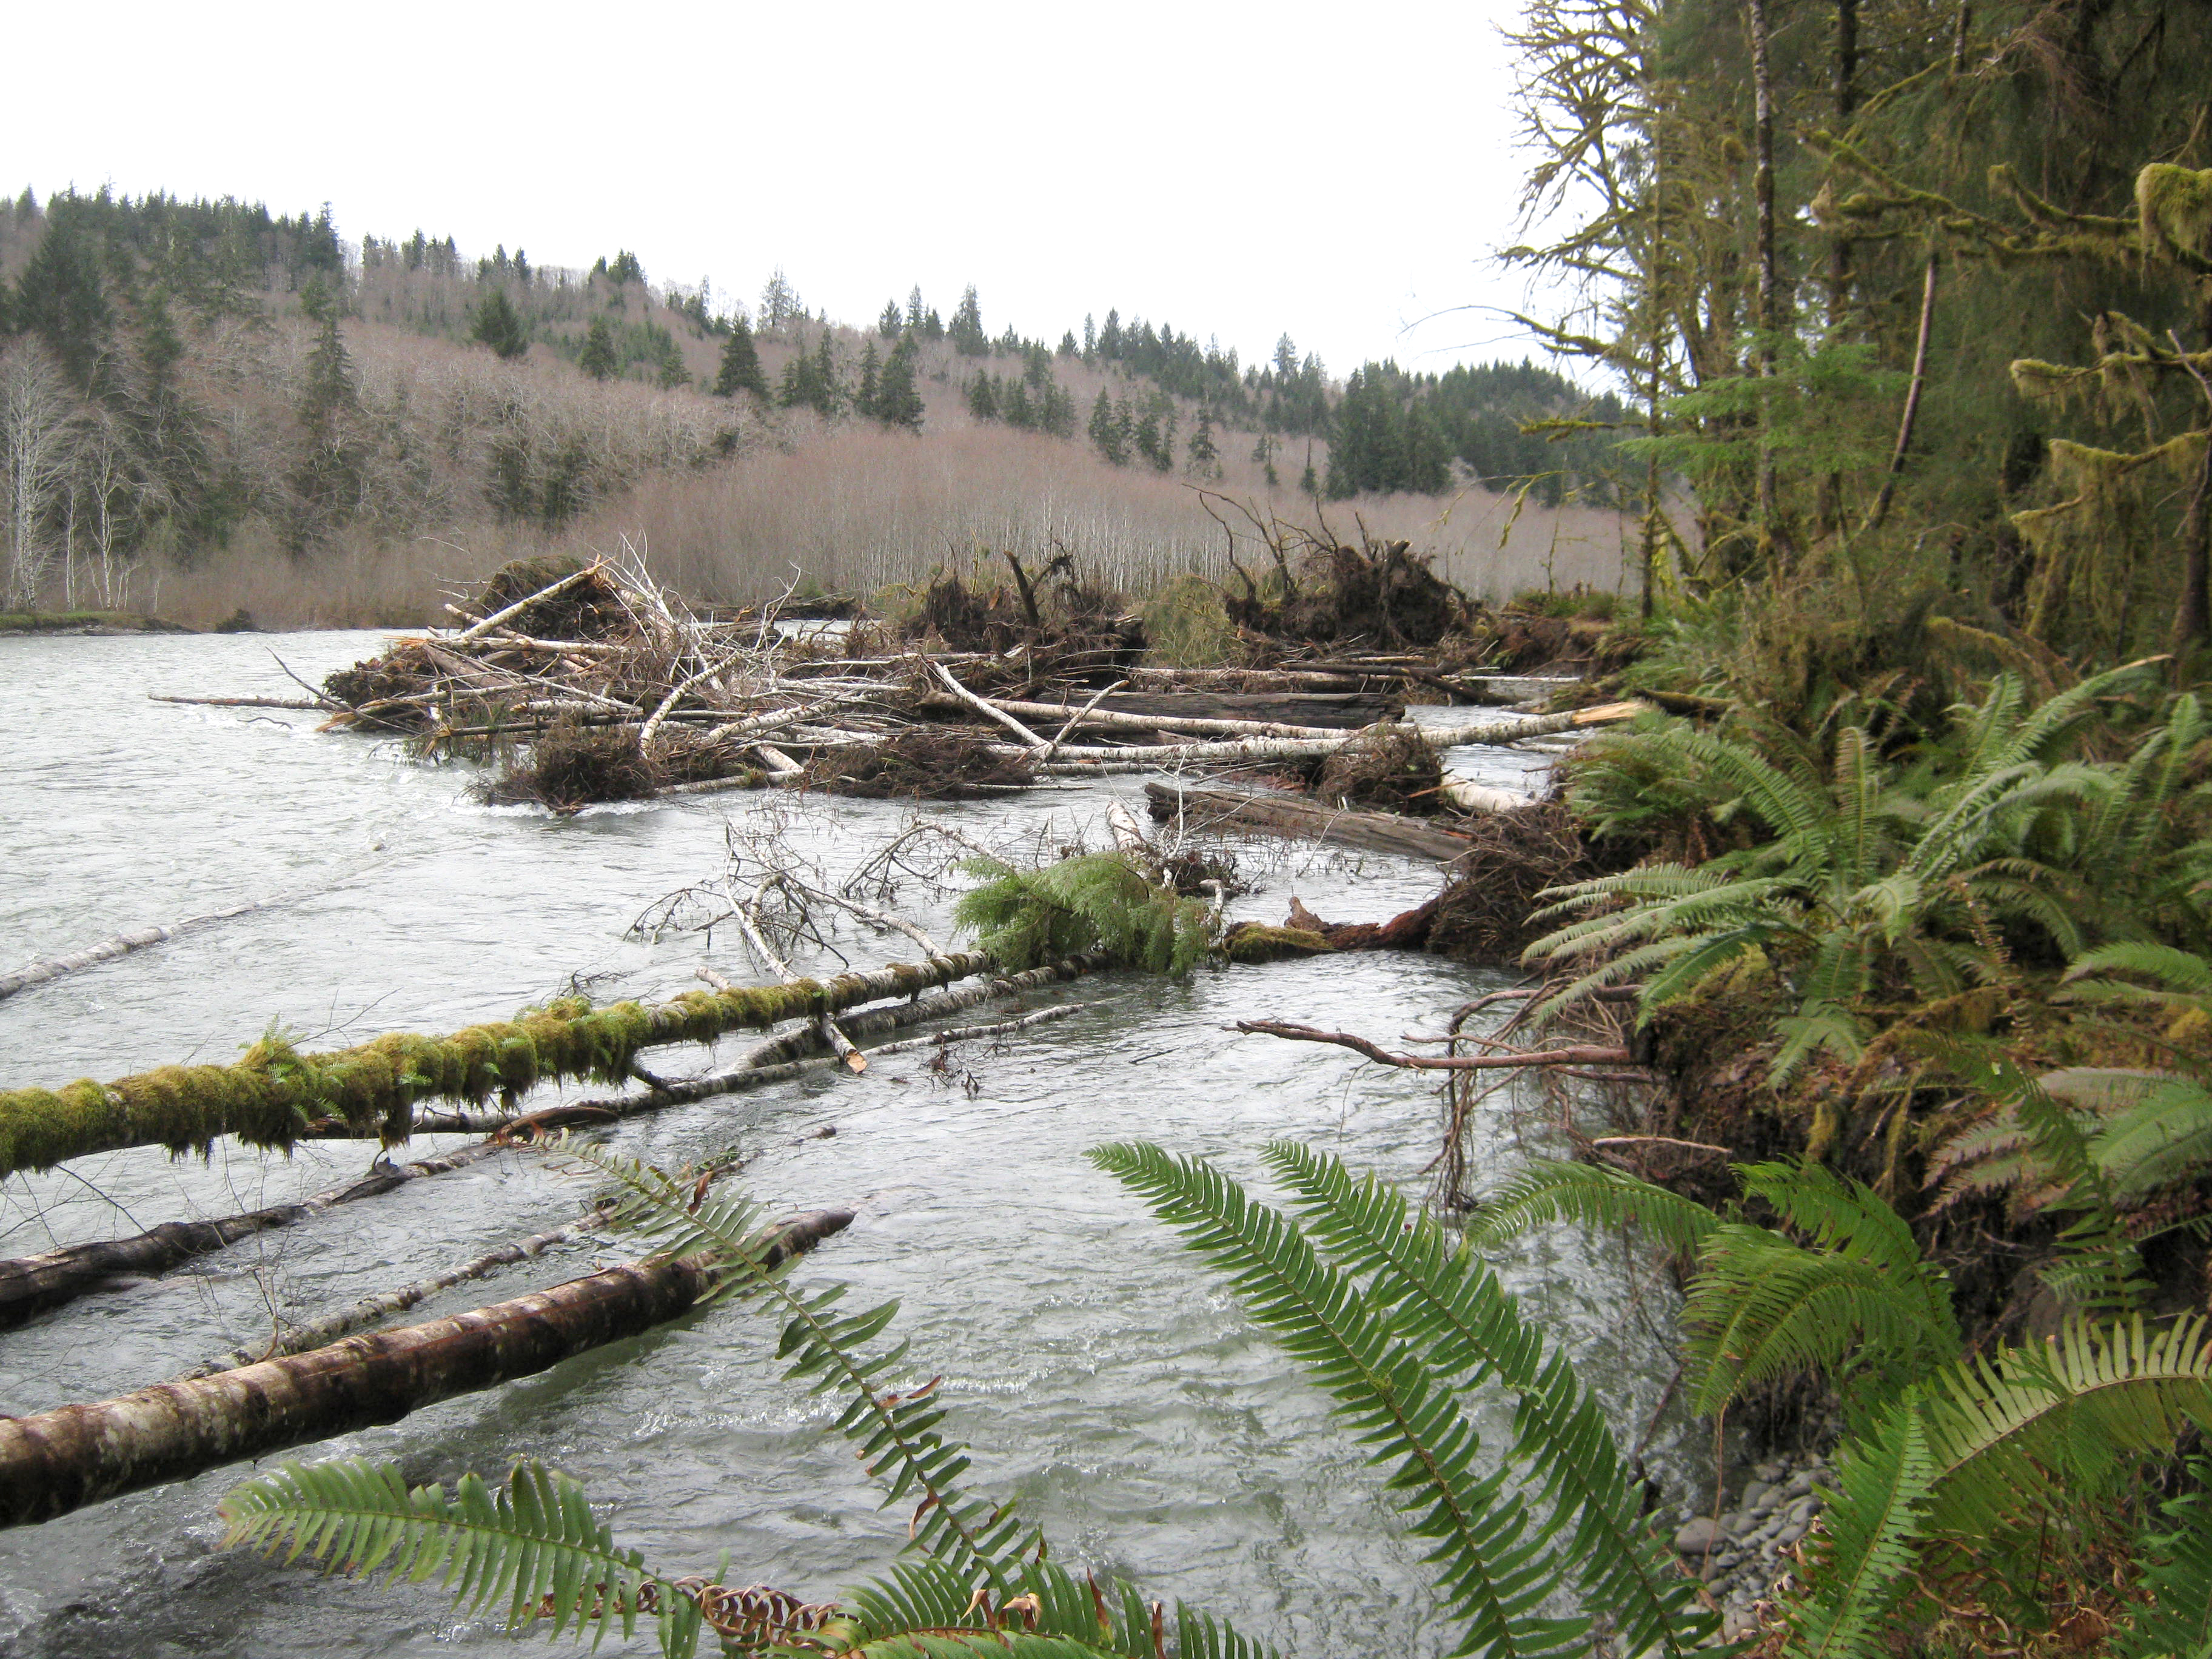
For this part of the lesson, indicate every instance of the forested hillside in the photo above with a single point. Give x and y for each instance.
(228, 407)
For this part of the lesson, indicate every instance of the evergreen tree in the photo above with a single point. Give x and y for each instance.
(1110, 337)
(671, 373)
(983, 401)
(887, 325)
(829, 383)
(740, 369)
(60, 298)
(1309, 485)
(1067, 346)
(913, 312)
(1090, 339)
(1203, 460)
(897, 402)
(500, 326)
(864, 401)
(933, 328)
(598, 357)
(624, 268)
(326, 482)
(967, 331)
(1109, 429)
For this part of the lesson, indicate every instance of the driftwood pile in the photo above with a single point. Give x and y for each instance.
(592, 682)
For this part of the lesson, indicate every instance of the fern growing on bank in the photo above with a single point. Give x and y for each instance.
(1881, 874)
(1096, 903)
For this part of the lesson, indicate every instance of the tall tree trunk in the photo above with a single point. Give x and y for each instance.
(62, 1459)
(1770, 292)
(1911, 415)
(2192, 611)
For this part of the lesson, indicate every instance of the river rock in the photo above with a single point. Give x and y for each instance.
(1755, 1495)
(1697, 1536)
(1769, 1472)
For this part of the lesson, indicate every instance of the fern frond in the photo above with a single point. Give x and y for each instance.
(1448, 1303)
(1496, 1568)
(897, 1429)
(1556, 1190)
(1098, 902)
(2172, 1602)
(533, 1543)
(1865, 1554)
(2039, 1426)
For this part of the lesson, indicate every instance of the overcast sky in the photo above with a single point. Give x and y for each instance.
(1340, 172)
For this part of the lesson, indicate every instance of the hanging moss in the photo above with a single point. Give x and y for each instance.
(2174, 212)
(274, 1092)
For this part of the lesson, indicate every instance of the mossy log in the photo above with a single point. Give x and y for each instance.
(33, 1285)
(271, 1097)
(55, 1461)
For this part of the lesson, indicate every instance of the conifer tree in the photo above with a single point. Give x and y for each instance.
(1067, 346)
(863, 400)
(982, 400)
(897, 402)
(60, 297)
(967, 331)
(740, 369)
(933, 327)
(500, 326)
(1203, 460)
(672, 372)
(598, 357)
(889, 324)
(326, 482)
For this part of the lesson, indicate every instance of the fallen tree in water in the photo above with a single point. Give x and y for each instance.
(271, 1097)
(55, 1461)
(120, 944)
(30, 1285)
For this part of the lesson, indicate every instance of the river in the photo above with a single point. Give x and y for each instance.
(1105, 1380)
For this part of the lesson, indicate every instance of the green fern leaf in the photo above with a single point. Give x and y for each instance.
(534, 1543)
(1599, 1196)
(1447, 1304)
(2173, 1603)
(1865, 1555)
(1497, 1570)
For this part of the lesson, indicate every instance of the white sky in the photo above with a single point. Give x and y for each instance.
(1238, 169)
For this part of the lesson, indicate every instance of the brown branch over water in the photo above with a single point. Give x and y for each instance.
(1581, 1055)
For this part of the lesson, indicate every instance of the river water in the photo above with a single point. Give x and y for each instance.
(1105, 1380)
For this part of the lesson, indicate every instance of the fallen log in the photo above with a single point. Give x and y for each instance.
(1275, 749)
(33, 1285)
(59, 1460)
(1581, 1054)
(322, 1332)
(239, 702)
(1289, 815)
(268, 1097)
(122, 945)
(1197, 724)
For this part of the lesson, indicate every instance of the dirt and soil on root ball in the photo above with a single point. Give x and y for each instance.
(922, 765)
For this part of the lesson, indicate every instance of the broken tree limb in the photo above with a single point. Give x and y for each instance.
(989, 711)
(1060, 736)
(1289, 815)
(749, 921)
(1469, 796)
(59, 1461)
(274, 1092)
(122, 945)
(1583, 1056)
(480, 630)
